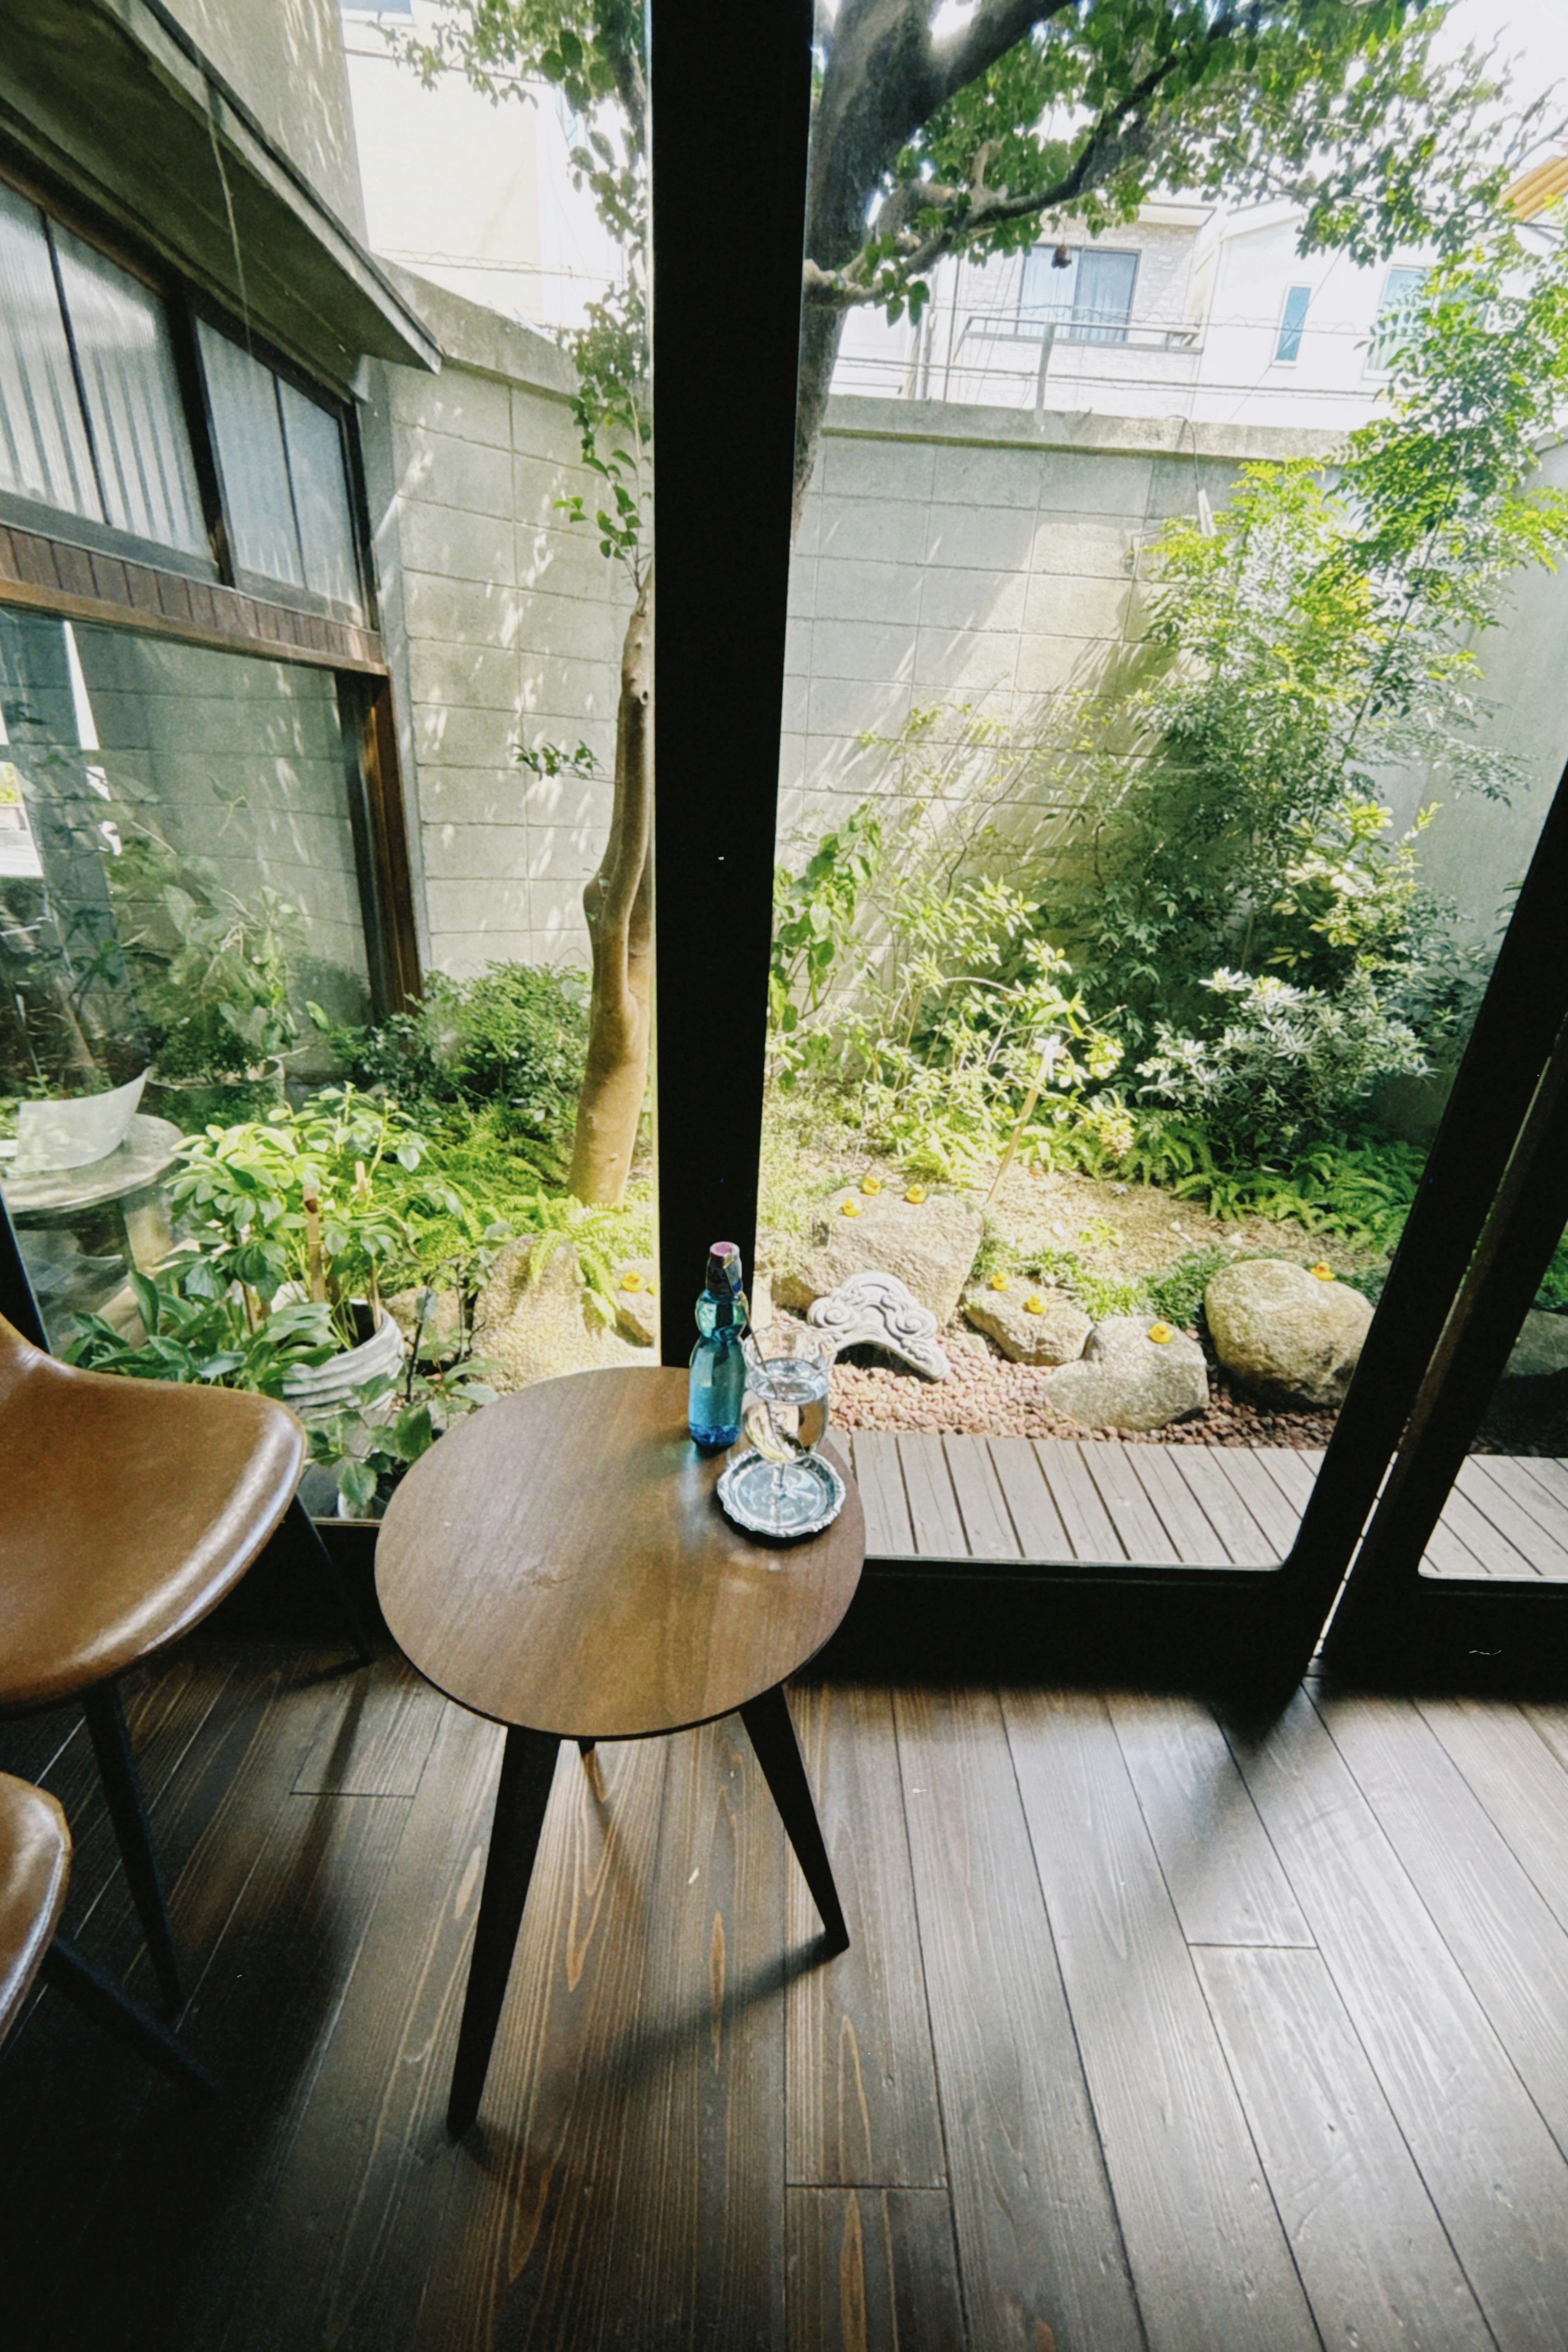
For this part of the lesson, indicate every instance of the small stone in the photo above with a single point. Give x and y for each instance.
(1126, 1380)
(1028, 1326)
(1285, 1332)
(1542, 1347)
(876, 1310)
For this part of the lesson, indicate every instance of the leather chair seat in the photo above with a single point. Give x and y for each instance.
(129, 1508)
(35, 1863)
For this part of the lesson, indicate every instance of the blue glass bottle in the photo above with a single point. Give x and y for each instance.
(718, 1362)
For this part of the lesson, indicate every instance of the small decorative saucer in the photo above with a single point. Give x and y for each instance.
(809, 1499)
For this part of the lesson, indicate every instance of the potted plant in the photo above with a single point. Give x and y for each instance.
(311, 1205)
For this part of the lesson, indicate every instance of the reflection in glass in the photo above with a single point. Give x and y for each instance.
(315, 448)
(132, 398)
(44, 451)
(249, 435)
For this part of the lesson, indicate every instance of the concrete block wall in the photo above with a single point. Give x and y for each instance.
(504, 626)
(972, 556)
(947, 554)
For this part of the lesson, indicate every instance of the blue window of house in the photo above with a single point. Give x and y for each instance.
(1292, 320)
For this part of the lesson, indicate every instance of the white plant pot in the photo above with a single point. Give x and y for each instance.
(328, 1388)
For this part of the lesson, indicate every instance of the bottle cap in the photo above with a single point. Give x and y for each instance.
(724, 1267)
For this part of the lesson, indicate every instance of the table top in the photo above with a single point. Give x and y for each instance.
(149, 1149)
(560, 1560)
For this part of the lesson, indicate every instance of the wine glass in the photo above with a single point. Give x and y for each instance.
(785, 1418)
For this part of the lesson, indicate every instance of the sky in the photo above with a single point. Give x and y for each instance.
(1534, 31)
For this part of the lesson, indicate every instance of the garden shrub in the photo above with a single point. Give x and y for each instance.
(512, 1042)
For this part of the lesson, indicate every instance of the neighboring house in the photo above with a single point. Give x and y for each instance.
(1189, 312)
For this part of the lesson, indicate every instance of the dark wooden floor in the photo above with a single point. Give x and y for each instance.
(1012, 1498)
(1150, 2036)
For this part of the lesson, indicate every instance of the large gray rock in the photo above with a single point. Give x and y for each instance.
(1540, 1349)
(930, 1245)
(876, 1310)
(1284, 1332)
(530, 1330)
(1125, 1380)
(1054, 1333)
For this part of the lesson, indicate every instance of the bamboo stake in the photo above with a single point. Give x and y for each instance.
(1050, 1047)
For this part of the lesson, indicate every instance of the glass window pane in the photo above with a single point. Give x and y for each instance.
(1292, 320)
(1049, 287)
(133, 399)
(191, 888)
(1103, 298)
(249, 437)
(321, 497)
(1402, 287)
(44, 451)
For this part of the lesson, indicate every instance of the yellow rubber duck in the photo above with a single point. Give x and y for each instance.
(1323, 1270)
(849, 1208)
(1034, 1304)
(631, 1279)
(999, 1282)
(915, 1194)
(1161, 1334)
(870, 1183)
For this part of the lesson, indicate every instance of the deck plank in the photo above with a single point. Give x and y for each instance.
(1372, 2254)
(1139, 1527)
(874, 1453)
(987, 1526)
(1039, 2248)
(1090, 1527)
(1494, 1496)
(1518, 1476)
(1232, 1522)
(1490, 2165)
(1481, 1535)
(1181, 1515)
(1031, 1503)
(934, 1515)
(1208, 2256)
(1276, 1517)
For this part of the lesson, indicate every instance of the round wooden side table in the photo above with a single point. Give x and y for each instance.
(560, 1563)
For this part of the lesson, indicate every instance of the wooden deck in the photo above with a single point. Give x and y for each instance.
(1013, 1499)
(1153, 2037)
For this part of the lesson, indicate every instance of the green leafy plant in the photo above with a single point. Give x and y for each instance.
(394, 1420)
(511, 1041)
(326, 1198)
(1280, 1068)
(196, 1327)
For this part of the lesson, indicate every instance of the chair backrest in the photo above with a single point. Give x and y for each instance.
(35, 1863)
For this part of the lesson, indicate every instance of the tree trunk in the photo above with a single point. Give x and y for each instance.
(618, 904)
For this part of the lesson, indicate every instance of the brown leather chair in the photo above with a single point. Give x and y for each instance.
(127, 1509)
(34, 1864)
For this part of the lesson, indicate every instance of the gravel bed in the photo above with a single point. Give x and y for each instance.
(988, 1396)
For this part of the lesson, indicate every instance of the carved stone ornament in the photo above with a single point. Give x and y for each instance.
(877, 1310)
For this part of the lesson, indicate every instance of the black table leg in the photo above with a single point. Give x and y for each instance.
(528, 1767)
(773, 1735)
